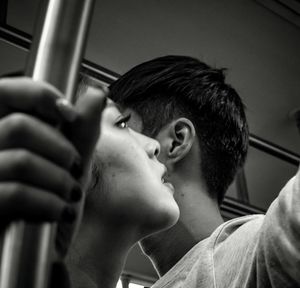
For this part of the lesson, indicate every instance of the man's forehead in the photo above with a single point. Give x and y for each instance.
(135, 121)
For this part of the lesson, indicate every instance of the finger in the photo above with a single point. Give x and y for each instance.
(23, 131)
(84, 132)
(25, 95)
(66, 109)
(23, 166)
(20, 201)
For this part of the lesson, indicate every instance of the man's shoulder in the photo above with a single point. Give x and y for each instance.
(197, 267)
(237, 228)
(235, 249)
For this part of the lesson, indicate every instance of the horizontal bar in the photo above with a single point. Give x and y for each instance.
(99, 72)
(22, 40)
(15, 37)
(274, 150)
(237, 208)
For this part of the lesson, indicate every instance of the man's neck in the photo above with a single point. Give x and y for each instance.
(200, 216)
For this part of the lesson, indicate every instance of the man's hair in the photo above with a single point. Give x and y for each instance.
(169, 87)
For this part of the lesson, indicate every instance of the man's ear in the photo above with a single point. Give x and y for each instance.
(179, 141)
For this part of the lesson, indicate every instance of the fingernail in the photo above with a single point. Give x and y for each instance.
(76, 194)
(68, 214)
(66, 109)
(76, 169)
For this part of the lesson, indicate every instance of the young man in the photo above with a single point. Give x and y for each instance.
(200, 123)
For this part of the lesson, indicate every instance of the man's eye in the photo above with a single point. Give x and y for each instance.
(123, 122)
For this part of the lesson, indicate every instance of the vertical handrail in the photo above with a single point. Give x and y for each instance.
(55, 58)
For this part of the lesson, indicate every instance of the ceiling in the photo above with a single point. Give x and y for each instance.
(260, 49)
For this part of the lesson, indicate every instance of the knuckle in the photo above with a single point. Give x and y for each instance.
(72, 158)
(43, 96)
(66, 149)
(22, 160)
(17, 120)
(16, 194)
(46, 96)
(65, 183)
(17, 124)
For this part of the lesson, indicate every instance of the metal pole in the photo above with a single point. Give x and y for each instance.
(55, 57)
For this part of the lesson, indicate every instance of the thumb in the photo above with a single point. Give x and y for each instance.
(85, 130)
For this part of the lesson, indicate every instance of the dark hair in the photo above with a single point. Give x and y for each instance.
(174, 86)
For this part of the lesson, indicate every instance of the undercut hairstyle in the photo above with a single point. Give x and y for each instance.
(169, 87)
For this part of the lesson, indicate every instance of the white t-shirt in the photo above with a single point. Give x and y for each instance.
(252, 251)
